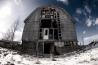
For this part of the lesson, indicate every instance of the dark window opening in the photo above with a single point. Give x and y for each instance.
(41, 36)
(55, 33)
(46, 32)
(54, 24)
(45, 23)
(47, 16)
(60, 37)
(51, 34)
(40, 30)
(66, 44)
(59, 34)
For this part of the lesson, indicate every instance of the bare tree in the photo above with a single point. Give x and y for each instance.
(9, 35)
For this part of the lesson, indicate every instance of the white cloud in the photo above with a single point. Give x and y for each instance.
(89, 22)
(10, 12)
(89, 39)
(87, 9)
(84, 13)
(76, 19)
(1, 35)
(5, 17)
(5, 11)
(18, 2)
(96, 21)
(64, 1)
(84, 32)
(78, 11)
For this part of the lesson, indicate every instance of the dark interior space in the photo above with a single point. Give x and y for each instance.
(50, 33)
(47, 48)
(52, 26)
(56, 34)
(55, 51)
(46, 23)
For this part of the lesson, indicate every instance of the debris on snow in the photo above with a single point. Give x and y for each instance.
(10, 57)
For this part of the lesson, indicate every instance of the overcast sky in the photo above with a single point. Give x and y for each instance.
(85, 13)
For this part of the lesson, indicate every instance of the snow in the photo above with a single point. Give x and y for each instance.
(89, 39)
(89, 57)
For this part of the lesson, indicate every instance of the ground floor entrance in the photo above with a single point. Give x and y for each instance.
(47, 48)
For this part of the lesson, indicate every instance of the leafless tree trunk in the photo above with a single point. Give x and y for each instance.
(9, 35)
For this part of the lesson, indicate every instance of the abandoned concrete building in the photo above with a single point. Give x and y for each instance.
(49, 29)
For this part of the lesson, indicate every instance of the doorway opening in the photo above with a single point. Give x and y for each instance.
(46, 33)
(47, 48)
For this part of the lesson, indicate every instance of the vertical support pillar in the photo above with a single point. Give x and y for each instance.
(52, 52)
(43, 48)
(37, 61)
(37, 50)
(71, 45)
(53, 33)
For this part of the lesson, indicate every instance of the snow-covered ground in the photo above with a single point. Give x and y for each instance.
(8, 57)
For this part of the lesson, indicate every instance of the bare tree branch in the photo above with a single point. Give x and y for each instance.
(10, 34)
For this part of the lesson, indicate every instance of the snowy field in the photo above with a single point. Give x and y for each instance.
(9, 57)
